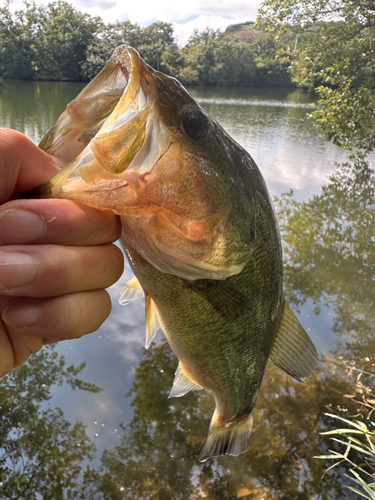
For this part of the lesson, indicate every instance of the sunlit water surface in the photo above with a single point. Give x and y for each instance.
(152, 442)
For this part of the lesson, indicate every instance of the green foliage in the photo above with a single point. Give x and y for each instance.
(155, 39)
(356, 436)
(65, 35)
(332, 50)
(213, 58)
(18, 34)
(44, 42)
(58, 42)
(108, 38)
(172, 61)
(154, 43)
(238, 27)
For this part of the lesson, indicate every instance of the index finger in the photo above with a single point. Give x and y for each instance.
(55, 221)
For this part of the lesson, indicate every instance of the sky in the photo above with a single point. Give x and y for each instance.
(185, 15)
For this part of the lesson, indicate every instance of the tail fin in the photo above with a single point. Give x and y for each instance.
(227, 439)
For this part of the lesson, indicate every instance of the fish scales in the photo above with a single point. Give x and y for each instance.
(199, 231)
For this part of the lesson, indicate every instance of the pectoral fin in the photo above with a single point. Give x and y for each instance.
(152, 319)
(182, 384)
(131, 291)
(293, 350)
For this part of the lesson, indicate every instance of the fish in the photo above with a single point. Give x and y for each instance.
(198, 229)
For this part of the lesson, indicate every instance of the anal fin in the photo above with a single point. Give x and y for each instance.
(132, 290)
(152, 322)
(293, 350)
(182, 384)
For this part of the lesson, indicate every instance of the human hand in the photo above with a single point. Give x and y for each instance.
(56, 257)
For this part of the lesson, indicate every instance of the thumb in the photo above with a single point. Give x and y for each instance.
(23, 166)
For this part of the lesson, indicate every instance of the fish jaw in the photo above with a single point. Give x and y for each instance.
(113, 137)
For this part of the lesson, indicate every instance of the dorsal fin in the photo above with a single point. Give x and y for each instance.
(132, 290)
(293, 350)
(152, 319)
(182, 384)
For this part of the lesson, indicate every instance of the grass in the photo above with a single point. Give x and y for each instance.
(356, 436)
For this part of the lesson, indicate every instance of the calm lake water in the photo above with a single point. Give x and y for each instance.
(65, 439)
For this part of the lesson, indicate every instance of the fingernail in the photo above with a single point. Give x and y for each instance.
(20, 315)
(16, 269)
(20, 227)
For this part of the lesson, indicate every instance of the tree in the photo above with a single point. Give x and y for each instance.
(172, 61)
(155, 39)
(63, 41)
(332, 51)
(151, 42)
(19, 33)
(212, 58)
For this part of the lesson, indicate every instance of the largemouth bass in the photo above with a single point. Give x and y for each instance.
(199, 232)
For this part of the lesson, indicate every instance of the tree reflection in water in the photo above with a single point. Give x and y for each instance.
(157, 456)
(40, 451)
(329, 259)
(330, 253)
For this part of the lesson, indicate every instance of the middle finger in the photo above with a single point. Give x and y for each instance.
(53, 270)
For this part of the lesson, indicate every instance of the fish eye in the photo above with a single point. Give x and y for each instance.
(196, 124)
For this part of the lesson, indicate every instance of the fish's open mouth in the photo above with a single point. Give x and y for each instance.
(108, 133)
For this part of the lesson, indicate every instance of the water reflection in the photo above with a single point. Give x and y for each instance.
(156, 457)
(330, 253)
(273, 127)
(41, 452)
(32, 107)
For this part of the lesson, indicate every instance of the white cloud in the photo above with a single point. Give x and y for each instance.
(182, 31)
(240, 9)
(98, 4)
(185, 16)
